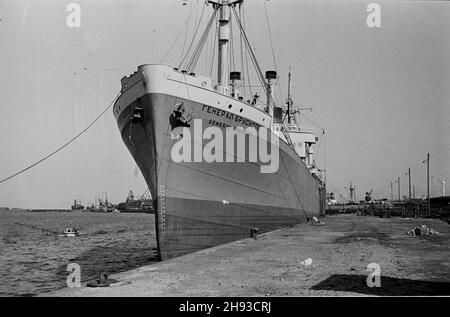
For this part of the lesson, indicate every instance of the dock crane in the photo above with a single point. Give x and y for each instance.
(368, 197)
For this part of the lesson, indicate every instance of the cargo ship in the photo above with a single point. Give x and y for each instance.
(201, 202)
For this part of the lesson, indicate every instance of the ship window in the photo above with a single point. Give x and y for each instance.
(229, 106)
(241, 110)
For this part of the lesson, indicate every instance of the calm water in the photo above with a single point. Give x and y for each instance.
(34, 259)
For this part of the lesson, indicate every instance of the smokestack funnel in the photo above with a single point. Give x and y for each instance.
(271, 74)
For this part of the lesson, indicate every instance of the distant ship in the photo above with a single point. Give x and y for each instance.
(102, 206)
(77, 205)
(201, 204)
(132, 204)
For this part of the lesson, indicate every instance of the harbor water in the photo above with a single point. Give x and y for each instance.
(34, 254)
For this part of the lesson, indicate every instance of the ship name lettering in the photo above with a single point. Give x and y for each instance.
(228, 115)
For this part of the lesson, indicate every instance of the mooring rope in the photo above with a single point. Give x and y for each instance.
(61, 147)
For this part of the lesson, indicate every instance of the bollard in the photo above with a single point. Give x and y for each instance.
(254, 233)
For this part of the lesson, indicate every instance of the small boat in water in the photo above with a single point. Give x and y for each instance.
(71, 232)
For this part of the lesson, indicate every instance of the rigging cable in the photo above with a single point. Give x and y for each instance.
(270, 99)
(272, 47)
(208, 41)
(232, 63)
(252, 56)
(214, 48)
(178, 36)
(246, 55)
(63, 146)
(254, 60)
(193, 37)
(201, 43)
(186, 35)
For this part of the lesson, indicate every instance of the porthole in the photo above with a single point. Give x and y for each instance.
(241, 110)
(229, 106)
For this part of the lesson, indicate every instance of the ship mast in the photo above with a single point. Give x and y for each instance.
(289, 100)
(224, 38)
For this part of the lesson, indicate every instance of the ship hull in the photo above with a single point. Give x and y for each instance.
(201, 204)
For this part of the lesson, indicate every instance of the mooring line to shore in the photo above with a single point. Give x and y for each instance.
(63, 146)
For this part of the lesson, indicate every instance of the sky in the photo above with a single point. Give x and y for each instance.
(381, 94)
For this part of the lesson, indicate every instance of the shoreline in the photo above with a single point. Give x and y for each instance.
(303, 260)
